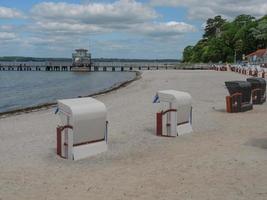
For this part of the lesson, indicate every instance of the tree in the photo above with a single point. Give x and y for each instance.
(260, 32)
(187, 54)
(213, 26)
(243, 20)
(223, 39)
(198, 51)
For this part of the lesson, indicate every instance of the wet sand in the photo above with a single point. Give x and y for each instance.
(224, 158)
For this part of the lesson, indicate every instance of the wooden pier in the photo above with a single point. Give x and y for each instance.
(97, 66)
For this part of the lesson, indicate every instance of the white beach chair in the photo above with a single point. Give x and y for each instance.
(175, 115)
(83, 129)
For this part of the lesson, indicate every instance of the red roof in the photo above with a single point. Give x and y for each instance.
(258, 53)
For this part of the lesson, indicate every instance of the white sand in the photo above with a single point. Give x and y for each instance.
(225, 157)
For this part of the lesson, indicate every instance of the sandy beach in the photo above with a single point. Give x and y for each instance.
(225, 158)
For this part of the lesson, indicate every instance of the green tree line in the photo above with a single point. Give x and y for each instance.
(228, 41)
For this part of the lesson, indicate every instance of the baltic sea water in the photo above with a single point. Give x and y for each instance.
(22, 89)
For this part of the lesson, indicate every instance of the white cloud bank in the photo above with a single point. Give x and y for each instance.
(227, 8)
(167, 29)
(122, 11)
(9, 13)
(122, 15)
(50, 25)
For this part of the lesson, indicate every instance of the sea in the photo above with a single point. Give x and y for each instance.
(22, 89)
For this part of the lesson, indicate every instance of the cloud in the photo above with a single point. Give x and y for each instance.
(6, 28)
(167, 29)
(91, 18)
(122, 11)
(66, 28)
(55, 29)
(9, 13)
(227, 8)
(5, 36)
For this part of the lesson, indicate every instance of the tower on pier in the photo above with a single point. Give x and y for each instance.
(81, 58)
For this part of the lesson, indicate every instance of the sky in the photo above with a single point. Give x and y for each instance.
(146, 29)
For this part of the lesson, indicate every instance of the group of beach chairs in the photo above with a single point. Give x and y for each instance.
(255, 71)
(83, 129)
(243, 94)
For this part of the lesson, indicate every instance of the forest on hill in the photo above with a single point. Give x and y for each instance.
(228, 41)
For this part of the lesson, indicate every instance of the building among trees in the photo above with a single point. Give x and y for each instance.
(257, 57)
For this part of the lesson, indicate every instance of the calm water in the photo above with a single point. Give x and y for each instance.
(25, 89)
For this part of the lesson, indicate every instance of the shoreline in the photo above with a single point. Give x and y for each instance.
(46, 106)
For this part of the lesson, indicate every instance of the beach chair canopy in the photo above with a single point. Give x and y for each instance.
(242, 87)
(87, 116)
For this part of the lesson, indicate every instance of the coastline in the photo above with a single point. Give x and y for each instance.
(46, 106)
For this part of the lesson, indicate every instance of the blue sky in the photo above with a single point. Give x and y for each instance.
(152, 29)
